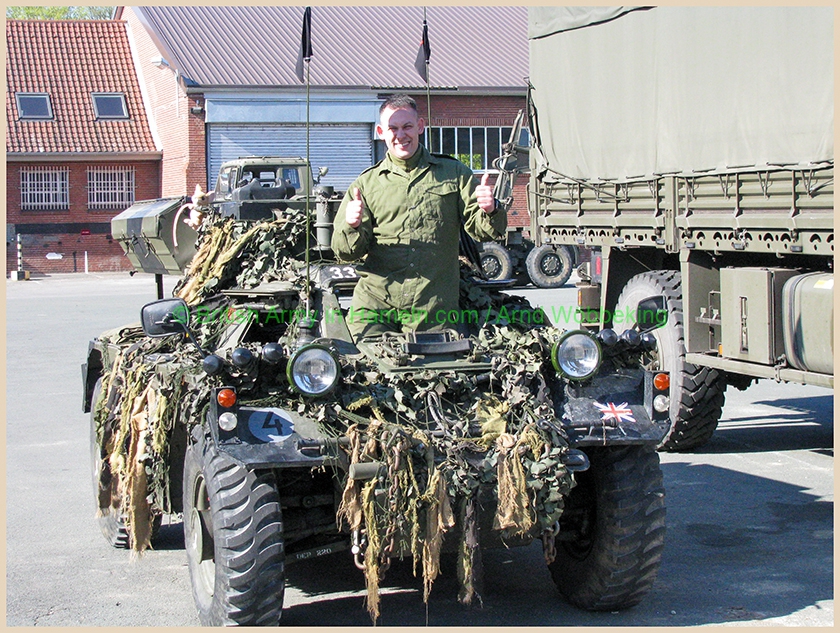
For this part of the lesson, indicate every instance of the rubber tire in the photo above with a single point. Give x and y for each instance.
(549, 266)
(496, 261)
(697, 393)
(110, 520)
(233, 534)
(617, 509)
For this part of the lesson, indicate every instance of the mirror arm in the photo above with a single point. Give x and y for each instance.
(191, 338)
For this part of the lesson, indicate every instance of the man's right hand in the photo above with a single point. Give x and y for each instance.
(353, 212)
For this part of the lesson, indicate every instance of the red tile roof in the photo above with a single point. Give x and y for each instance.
(69, 60)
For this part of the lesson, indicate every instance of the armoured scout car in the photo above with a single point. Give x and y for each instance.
(243, 404)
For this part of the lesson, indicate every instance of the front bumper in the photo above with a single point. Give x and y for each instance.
(615, 407)
(271, 437)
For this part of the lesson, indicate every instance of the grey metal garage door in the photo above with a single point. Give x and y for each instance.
(346, 149)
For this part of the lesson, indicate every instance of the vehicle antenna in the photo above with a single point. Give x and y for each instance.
(306, 59)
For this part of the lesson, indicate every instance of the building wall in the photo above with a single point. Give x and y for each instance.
(471, 110)
(179, 132)
(465, 111)
(196, 167)
(58, 234)
(182, 134)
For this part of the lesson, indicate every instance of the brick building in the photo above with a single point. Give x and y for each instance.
(102, 113)
(79, 148)
(220, 82)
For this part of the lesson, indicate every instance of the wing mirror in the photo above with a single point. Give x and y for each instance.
(165, 317)
(651, 313)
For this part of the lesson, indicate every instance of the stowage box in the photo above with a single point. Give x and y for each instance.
(155, 237)
(751, 313)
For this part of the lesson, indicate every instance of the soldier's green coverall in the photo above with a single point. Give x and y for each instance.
(409, 233)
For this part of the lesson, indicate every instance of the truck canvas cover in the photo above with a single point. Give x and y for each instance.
(705, 96)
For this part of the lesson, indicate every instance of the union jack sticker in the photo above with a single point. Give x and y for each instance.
(618, 412)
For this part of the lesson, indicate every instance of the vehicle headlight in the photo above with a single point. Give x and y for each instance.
(577, 355)
(313, 370)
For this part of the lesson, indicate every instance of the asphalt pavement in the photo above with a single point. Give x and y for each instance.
(749, 519)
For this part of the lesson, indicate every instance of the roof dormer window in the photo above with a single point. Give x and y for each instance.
(34, 106)
(109, 105)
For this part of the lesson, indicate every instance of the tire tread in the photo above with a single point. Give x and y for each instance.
(702, 395)
(249, 539)
(622, 567)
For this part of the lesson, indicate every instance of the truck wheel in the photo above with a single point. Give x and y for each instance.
(549, 266)
(109, 511)
(612, 531)
(233, 533)
(696, 392)
(495, 261)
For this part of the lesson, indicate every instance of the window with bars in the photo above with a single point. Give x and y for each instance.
(44, 188)
(110, 187)
(476, 147)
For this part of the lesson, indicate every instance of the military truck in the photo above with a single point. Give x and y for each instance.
(243, 404)
(692, 149)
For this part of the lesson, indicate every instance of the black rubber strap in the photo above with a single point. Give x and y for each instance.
(450, 347)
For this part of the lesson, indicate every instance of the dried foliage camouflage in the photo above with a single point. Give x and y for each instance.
(440, 435)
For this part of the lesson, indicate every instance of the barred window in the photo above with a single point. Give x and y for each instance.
(476, 147)
(110, 187)
(44, 188)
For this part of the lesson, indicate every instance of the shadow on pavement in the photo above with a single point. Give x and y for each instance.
(739, 548)
(170, 536)
(798, 424)
(739, 544)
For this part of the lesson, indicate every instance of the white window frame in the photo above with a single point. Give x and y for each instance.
(500, 132)
(487, 132)
(44, 188)
(110, 187)
(23, 117)
(111, 117)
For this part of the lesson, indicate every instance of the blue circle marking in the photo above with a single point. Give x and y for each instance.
(270, 425)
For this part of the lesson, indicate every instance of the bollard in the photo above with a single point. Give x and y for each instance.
(20, 274)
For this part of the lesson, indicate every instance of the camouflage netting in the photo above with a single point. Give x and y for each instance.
(440, 436)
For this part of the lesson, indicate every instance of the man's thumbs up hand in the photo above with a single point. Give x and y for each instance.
(484, 195)
(353, 212)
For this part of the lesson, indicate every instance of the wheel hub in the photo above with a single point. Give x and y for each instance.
(491, 265)
(550, 264)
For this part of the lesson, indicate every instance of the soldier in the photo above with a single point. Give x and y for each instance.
(404, 214)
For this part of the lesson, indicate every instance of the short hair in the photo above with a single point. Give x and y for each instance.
(397, 102)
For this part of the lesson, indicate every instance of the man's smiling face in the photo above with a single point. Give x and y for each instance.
(401, 130)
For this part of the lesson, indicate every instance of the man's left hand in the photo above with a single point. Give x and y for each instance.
(484, 195)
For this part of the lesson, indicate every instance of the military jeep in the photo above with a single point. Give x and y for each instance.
(243, 404)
